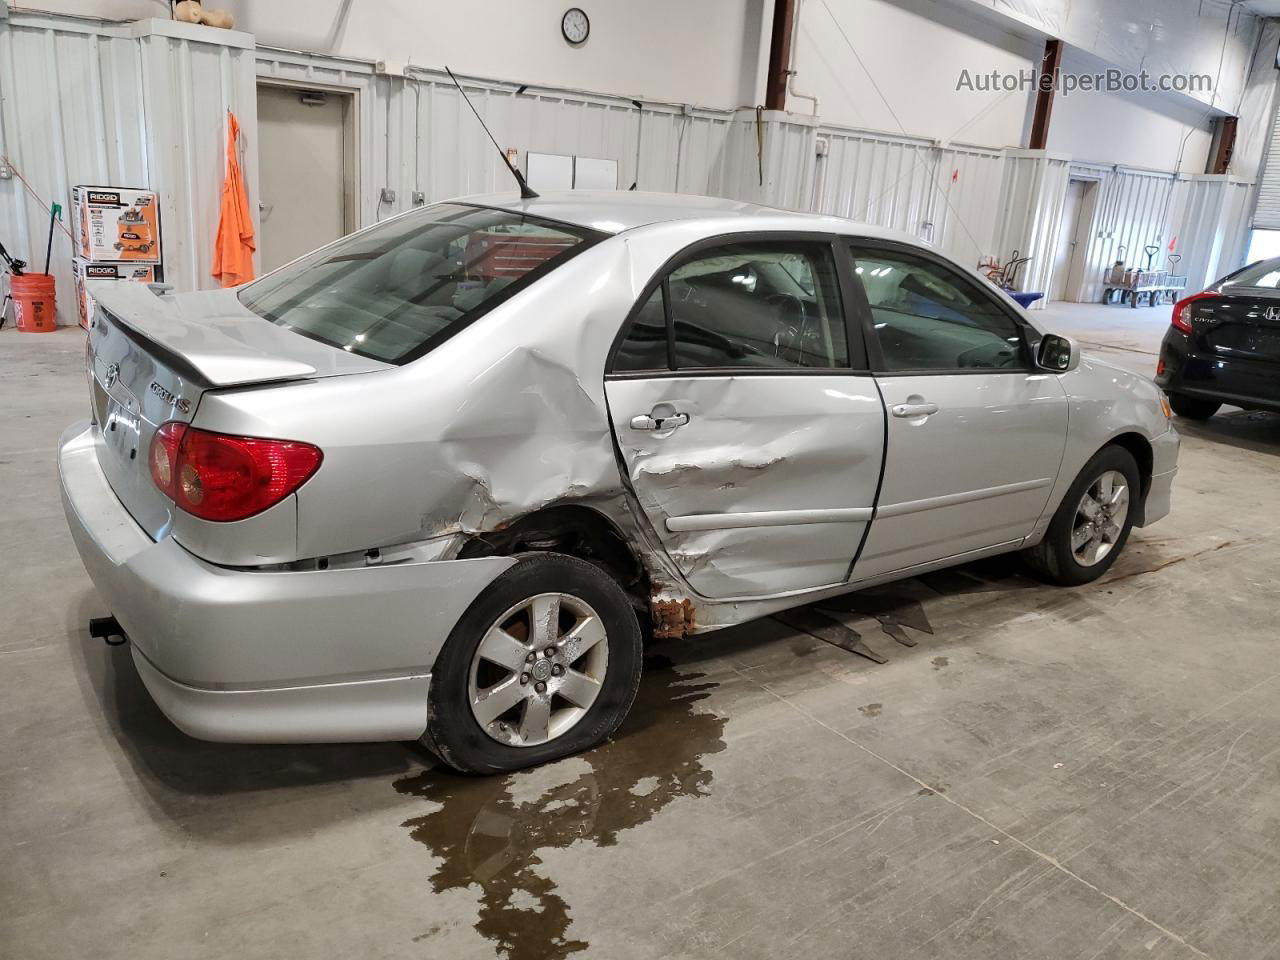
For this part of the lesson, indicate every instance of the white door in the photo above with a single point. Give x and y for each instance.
(1063, 255)
(975, 433)
(752, 438)
(302, 175)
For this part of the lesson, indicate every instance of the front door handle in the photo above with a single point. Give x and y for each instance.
(910, 410)
(649, 422)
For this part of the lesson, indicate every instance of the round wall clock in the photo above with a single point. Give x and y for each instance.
(575, 26)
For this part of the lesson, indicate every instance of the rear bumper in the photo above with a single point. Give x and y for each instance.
(267, 656)
(1253, 384)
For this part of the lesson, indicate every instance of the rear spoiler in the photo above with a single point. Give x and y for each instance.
(213, 351)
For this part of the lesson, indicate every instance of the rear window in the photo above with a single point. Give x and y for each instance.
(1263, 274)
(396, 291)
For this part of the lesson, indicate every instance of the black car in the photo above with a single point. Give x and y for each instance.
(1224, 345)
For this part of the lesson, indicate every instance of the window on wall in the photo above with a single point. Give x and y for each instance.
(1263, 245)
(927, 317)
(761, 305)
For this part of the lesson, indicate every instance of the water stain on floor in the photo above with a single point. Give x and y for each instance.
(488, 835)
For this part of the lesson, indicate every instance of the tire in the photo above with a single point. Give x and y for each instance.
(586, 595)
(1054, 559)
(1193, 408)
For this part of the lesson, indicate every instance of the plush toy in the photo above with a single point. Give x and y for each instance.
(190, 11)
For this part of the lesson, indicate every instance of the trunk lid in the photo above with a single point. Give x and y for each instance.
(1241, 324)
(150, 360)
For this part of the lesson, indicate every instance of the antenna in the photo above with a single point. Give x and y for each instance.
(526, 193)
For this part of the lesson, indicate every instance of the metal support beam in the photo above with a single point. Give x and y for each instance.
(784, 15)
(1046, 84)
(1224, 144)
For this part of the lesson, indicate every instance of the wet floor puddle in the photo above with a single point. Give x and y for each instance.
(488, 834)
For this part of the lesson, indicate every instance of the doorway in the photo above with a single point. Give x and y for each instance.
(306, 170)
(1071, 254)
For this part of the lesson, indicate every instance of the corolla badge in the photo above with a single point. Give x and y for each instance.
(1272, 314)
(182, 404)
(112, 375)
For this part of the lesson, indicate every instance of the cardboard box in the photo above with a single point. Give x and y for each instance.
(83, 270)
(115, 224)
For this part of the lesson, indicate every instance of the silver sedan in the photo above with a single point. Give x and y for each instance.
(440, 478)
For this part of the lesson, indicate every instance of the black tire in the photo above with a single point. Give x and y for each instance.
(455, 736)
(1052, 559)
(1193, 408)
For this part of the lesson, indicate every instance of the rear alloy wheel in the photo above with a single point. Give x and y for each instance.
(545, 663)
(538, 670)
(1092, 524)
(1193, 408)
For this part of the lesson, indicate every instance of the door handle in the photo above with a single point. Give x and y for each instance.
(909, 410)
(647, 422)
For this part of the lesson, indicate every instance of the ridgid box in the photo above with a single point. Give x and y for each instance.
(115, 224)
(85, 271)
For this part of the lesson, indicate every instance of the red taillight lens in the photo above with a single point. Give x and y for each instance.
(163, 458)
(1182, 311)
(219, 477)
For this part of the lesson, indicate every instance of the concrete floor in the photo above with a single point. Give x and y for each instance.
(1089, 773)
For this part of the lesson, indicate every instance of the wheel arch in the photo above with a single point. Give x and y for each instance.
(1139, 447)
(572, 529)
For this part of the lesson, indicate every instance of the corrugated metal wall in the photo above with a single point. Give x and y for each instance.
(145, 104)
(126, 105)
(1034, 192)
(949, 196)
(72, 113)
(417, 134)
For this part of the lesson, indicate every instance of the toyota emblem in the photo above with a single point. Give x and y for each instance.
(113, 374)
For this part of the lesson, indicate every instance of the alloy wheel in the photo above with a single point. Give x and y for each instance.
(1100, 518)
(538, 669)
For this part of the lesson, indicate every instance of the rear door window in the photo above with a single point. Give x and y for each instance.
(398, 290)
(766, 305)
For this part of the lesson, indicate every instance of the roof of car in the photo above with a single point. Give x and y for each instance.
(613, 211)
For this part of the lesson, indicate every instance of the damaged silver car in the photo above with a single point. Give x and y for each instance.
(440, 478)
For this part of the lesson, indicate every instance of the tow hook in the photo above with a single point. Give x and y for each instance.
(108, 629)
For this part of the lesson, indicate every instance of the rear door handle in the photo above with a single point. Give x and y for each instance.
(670, 422)
(909, 410)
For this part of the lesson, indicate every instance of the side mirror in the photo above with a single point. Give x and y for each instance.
(1057, 354)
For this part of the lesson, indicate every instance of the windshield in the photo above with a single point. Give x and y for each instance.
(398, 290)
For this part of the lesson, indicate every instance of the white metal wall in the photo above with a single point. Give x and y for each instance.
(139, 105)
(1034, 191)
(417, 135)
(72, 113)
(145, 104)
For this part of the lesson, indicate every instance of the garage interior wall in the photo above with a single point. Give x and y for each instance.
(144, 104)
(136, 105)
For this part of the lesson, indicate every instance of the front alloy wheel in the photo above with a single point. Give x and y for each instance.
(538, 670)
(1100, 518)
(1092, 523)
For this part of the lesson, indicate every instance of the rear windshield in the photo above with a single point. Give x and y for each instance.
(398, 290)
(1264, 273)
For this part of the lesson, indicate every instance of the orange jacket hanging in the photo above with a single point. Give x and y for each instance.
(233, 247)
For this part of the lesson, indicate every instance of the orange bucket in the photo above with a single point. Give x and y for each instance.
(33, 304)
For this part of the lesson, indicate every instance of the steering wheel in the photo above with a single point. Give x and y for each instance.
(793, 320)
(989, 356)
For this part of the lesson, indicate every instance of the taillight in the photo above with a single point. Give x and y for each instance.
(215, 476)
(1182, 311)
